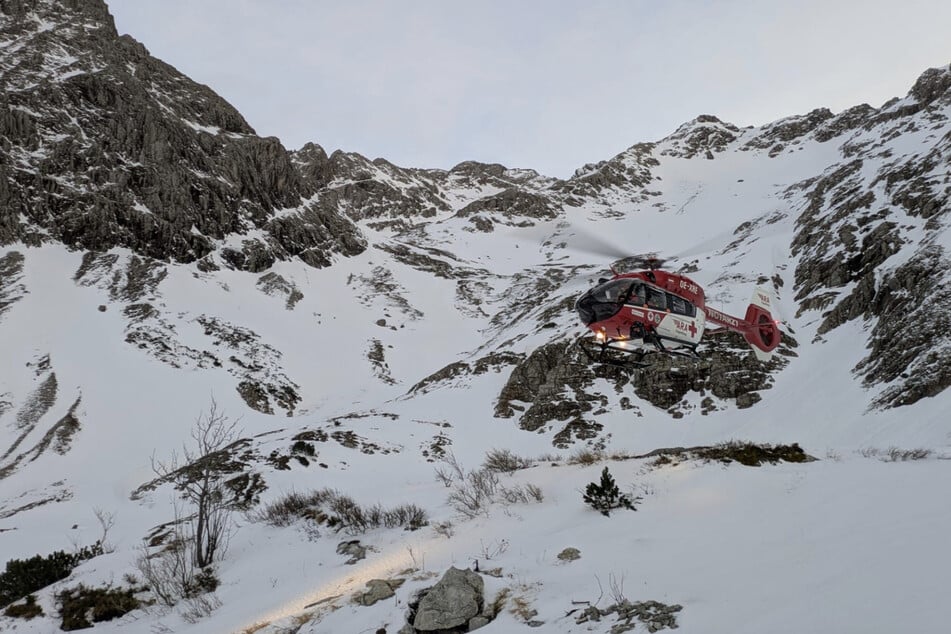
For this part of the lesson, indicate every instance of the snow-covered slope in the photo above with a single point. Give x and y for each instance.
(448, 337)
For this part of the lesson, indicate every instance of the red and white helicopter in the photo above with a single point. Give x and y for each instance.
(651, 310)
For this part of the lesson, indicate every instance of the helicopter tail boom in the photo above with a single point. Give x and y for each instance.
(759, 328)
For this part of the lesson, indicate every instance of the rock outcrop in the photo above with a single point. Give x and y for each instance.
(454, 604)
(102, 145)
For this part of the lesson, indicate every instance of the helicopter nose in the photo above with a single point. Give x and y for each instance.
(585, 308)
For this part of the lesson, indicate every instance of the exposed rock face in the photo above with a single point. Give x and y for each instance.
(704, 136)
(910, 339)
(11, 274)
(393, 196)
(859, 217)
(513, 202)
(103, 145)
(775, 136)
(933, 87)
(727, 371)
(626, 176)
(274, 284)
(551, 387)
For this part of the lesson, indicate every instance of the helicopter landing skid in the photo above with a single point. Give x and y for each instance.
(615, 355)
(628, 354)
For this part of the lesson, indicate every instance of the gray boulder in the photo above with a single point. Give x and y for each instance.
(378, 590)
(455, 599)
(352, 549)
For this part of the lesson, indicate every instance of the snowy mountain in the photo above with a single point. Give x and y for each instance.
(378, 334)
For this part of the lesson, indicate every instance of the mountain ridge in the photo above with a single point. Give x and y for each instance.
(370, 325)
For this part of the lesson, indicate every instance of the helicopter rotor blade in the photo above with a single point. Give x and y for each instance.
(582, 241)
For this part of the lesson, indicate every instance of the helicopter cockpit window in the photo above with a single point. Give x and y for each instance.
(613, 292)
(680, 306)
(656, 299)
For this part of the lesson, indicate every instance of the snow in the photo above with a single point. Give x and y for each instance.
(209, 129)
(850, 542)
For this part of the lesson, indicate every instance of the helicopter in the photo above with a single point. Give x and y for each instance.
(634, 314)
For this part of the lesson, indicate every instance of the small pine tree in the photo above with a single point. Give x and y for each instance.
(606, 496)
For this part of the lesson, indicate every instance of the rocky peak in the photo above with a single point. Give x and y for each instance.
(790, 129)
(478, 171)
(704, 136)
(929, 93)
(314, 165)
(102, 145)
(94, 9)
(934, 84)
(628, 172)
(482, 177)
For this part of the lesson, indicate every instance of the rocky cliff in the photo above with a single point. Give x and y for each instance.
(102, 145)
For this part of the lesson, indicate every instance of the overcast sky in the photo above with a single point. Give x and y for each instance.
(545, 84)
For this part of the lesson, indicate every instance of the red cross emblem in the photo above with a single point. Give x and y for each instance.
(693, 329)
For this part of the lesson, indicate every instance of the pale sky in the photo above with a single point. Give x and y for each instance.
(544, 84)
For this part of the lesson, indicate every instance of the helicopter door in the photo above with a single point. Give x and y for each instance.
(682, 328)
(681, 321)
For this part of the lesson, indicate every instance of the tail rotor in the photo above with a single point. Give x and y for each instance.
(762, 333)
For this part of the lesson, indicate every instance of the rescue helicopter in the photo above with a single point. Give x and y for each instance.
(634, 314)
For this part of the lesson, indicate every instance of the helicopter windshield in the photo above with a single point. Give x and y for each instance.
(614, 292)
(604, 301)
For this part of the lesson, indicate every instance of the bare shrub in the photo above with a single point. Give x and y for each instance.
(505, 461)
(198, 607)
(450, 471)
(194, 473)
(347, 514)
(408, 516)
(339, 511)
(172, 574)
(491, 551)
(290, 508)
(513, 495)
(616, 586)
(534, 492)
(552, 458)
(169, 572)
(586, 457)
(475, 493)
(894, 454)
(106, 522)
(521, 494)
